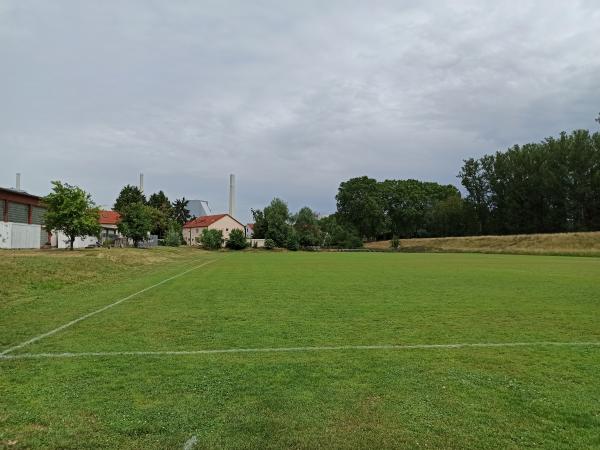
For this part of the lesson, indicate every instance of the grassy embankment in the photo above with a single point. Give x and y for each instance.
(575, 244)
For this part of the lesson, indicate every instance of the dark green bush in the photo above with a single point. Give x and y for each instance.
(293, 243)
(211, 239)
(237, 240)
(269, 244)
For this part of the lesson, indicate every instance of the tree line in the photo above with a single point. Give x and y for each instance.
(549, 186)
(71, 210)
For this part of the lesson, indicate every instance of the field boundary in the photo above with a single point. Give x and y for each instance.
(98, 311)
(299, 349)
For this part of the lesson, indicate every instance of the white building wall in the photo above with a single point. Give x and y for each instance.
(226, 224)
(62, 240)
(19, 235)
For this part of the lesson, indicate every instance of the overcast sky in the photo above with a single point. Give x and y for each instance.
(293, 97)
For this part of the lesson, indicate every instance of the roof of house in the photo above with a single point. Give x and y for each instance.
(109, 217)
(205, 221)
(250, 226)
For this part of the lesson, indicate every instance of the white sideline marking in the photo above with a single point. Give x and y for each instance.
(189, 444)
(300, 349)
(93, 313)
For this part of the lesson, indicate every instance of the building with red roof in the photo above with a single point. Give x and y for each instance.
(224, 222)
(109, 220)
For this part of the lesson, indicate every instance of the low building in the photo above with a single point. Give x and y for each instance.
(109, 221)
(22, 220)
(224, 222)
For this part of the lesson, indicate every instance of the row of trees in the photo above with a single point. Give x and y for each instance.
(404, 208)
(155, 215)
(305, 229)
(550, 186)
(71, 210)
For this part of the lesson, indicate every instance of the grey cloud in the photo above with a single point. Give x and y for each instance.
(293, 97)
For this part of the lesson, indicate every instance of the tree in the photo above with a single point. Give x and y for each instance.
(136, 222)
(181, 213)
(161, 203)
(72, 211)
(260, 224)
(359, 202)
(211, 239)
(272, 222)
(338, 234)
(293, 243)
(307, 228)
(237, 240)
(173, 235)
(128, 196)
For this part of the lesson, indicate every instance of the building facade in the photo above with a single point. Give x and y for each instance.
(22, 215)
(224, 222)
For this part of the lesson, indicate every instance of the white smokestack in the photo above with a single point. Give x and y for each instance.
(18, 183)
(232, 195)
(142, 182)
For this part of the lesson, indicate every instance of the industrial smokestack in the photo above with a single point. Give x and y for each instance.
(232, 195)
(18, 182)
(142, 182)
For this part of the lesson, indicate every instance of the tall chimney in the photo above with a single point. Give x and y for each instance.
(18, 183)
(232, 195)
(142, 182)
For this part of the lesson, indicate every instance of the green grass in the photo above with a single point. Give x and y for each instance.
(505, 397)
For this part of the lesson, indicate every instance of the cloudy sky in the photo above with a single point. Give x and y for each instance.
(293, 97)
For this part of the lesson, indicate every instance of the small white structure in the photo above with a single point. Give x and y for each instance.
(61, 240)
(256, 243)
(19, 235)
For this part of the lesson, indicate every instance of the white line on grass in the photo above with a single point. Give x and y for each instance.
(93, 313)
(189, 444)
(300, 349)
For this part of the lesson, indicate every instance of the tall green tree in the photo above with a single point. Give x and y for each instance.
(136, 222)
(273, 222)
(71, 210)
(360, 203)
(277, 216)
(163, 215)
(307, 227)
(128, 196)
(181, 213)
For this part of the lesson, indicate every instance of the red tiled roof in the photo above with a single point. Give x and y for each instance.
(109, 217)
(204, 221)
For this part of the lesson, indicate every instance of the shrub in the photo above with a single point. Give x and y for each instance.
(395, 243)
(211, 239)
(293, 243)
(172, 238)
(237, 240)
(269, 244)
(107, 243)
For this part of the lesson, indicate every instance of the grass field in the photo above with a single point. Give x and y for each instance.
(313, 384)
(577, 244)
